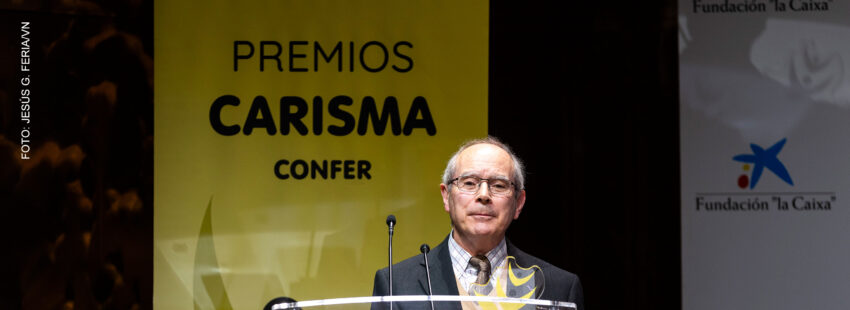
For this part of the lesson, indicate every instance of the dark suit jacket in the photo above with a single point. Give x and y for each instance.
(409, 278)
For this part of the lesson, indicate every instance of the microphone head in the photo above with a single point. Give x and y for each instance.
(424, 248)
(278, 300)
(391, 220)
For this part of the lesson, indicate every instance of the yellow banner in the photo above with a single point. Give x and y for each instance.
(286, 132)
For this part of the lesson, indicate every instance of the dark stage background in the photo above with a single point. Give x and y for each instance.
(585, 92)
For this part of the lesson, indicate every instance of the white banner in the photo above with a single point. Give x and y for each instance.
(765, 145)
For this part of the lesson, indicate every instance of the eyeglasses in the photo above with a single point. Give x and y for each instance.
(470, 184)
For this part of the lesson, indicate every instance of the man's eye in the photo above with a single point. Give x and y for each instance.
(500, 185)
(470, 183)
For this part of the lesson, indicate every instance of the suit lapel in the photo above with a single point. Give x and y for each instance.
(443, 280)
(518, 255)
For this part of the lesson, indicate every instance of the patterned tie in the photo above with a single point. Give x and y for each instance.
(483, 268)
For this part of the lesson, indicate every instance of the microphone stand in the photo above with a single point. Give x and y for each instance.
(391, 223)
(425, 249)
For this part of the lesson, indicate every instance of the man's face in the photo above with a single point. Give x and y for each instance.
(482, 214)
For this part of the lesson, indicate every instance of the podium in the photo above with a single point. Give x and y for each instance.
(522, 284)
(422, 302)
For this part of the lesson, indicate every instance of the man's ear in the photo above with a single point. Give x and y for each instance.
(444, 190)
(520, 201)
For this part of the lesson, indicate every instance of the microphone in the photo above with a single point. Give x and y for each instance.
(276, 303)
(425, 249)
(391, 224)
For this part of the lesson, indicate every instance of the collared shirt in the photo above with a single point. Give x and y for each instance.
(467, 273)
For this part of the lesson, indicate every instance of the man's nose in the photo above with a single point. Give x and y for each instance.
(483, 193)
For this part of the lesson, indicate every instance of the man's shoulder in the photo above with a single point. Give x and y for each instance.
(411, 263)
(417, 262)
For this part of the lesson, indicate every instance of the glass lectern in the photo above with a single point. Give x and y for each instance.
(424, 302)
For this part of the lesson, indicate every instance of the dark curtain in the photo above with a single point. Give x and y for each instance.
(586, 93)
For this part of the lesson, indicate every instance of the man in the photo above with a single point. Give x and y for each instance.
(483, 191)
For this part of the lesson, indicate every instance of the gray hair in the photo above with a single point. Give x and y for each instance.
(518, 171)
